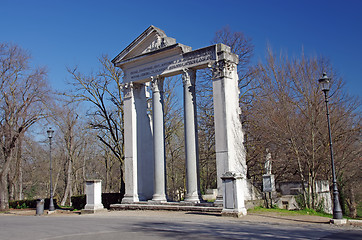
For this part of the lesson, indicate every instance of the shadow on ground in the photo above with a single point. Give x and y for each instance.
(214, 230)
(306, 219)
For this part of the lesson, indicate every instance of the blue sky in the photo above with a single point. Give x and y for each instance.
(61, 33)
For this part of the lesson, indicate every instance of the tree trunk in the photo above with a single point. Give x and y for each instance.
(107, 183)
(352, 205)
(68, 187)
(4, 194)
(11, 186)
(19, 170)
(4, 191)
(123, 185)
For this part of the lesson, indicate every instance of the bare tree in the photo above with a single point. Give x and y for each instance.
(23, 91)
(103, 93)
(288, 117)
(72, 141)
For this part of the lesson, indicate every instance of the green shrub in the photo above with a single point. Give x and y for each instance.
(78, 202)
(111, 198)
(23, 206)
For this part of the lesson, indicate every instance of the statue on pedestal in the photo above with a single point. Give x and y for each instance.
(268, 164)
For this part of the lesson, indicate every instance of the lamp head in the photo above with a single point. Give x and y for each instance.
(50, 132)
(324, 82)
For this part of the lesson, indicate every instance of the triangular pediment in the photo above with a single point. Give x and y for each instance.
(152, 39)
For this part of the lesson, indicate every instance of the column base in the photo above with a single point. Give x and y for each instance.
(93, 211)
(193, 198)
(158, 198)
(93, 206)
(130, 199)
(234, 212)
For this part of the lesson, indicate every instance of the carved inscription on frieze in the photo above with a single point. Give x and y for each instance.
(171, 64)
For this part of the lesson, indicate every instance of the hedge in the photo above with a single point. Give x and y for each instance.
(31, 203)
(78, 202)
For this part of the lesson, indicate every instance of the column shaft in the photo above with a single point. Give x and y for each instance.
(158, 140)
(191, 141)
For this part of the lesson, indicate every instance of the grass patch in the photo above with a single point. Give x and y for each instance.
(289, 212)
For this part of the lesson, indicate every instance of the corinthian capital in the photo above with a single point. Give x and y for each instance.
(188, 77)
(223, 69)
(127, 90)
(157, 84)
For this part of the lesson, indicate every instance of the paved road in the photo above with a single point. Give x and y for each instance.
(163, 225)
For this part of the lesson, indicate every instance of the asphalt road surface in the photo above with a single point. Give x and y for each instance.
(162, 225)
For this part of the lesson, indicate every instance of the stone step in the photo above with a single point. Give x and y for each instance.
(167, 207)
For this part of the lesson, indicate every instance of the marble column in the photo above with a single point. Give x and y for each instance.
(130, 139)
(158, 140)
(191, 141)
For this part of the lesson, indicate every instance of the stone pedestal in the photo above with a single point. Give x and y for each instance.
(269, 189)
(93, 191)
(268, 183)
(233, 199)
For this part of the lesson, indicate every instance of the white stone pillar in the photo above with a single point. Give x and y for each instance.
(130, 145)
(158, 140)
(229, 136)
(191, 141)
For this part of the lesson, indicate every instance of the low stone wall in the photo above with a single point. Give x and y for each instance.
(289, 190)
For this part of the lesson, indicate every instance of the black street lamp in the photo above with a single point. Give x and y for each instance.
(337, 210)
(50, 135)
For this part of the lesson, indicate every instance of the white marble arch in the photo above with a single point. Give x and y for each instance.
(150, 58)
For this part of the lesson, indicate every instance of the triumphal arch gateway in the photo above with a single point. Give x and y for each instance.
(146, 62)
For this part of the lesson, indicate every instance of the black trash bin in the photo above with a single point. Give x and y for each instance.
(39, 207)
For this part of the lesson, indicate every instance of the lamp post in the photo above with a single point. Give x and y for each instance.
(337, 210)
(50, 135)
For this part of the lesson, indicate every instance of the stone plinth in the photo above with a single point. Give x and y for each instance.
(233, 200)
(338, 221)
(268, 183)
(93, 191)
